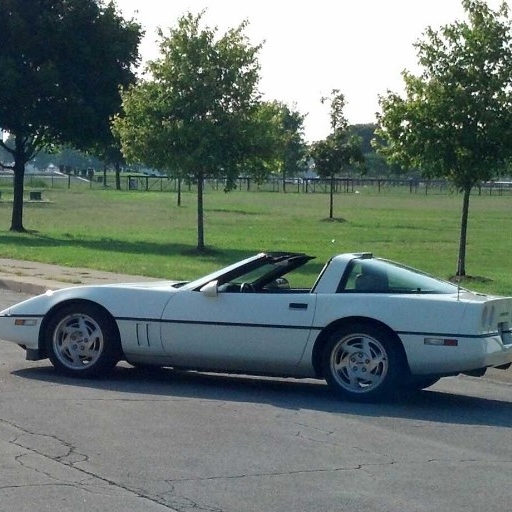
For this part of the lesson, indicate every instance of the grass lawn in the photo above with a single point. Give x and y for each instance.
(146, 233)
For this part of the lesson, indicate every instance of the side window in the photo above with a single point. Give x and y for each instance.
(351, 277)
(380, 276)
(365, 277)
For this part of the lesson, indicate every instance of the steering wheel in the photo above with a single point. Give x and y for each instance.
(246, 288)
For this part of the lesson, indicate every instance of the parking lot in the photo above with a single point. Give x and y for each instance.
(169, 440)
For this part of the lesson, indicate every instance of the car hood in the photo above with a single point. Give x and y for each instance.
(144, 284)
(121, 299)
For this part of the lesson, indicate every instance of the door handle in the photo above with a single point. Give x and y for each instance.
(298, 305)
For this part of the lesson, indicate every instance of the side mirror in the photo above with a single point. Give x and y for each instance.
(210, 289)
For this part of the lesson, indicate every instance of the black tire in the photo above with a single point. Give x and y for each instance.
(82, 340)
(364, 363)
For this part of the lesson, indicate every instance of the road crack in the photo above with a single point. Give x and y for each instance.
(64, 454)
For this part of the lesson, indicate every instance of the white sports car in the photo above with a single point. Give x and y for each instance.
(369, 326)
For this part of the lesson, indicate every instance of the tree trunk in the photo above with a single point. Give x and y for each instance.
(461, 263)
(331, 199)
(19, 179)
(118, 175)
(200, 213)
(179, 191)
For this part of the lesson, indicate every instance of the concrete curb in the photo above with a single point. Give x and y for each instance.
(30, 288)
(34, 278)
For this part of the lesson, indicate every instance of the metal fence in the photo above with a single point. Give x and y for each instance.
(145, 183)
(307, 186)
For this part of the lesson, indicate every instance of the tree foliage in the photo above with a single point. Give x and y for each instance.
(62, 63)
(456, 119)
(340, 149)
(294, 150)
(198, 114)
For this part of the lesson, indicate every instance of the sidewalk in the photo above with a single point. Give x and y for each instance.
(34, 278)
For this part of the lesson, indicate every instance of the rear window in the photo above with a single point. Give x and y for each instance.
(382, 276)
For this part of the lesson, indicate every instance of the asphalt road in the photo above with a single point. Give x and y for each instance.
(178, 441)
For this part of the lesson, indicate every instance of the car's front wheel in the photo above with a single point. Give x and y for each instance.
(363, 362)
(82, 340)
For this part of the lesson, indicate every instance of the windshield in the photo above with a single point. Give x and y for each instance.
(258, 271)
(382, 276)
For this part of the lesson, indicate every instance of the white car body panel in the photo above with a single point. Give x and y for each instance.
(127, 303)
(256, 332)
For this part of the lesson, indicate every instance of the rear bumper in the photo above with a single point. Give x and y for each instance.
(469, 353)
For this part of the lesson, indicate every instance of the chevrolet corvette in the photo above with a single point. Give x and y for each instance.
(368, 326)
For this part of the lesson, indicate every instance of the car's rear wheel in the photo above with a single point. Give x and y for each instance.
(82, 340)
(363, 362)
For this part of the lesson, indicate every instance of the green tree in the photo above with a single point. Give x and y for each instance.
(111, 155)
(294, 150)
(456, 119)
(66, 157)
(62, 63)
(367, 134)
(198, 114)
(339, 150)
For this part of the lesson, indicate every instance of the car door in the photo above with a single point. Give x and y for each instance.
(259, 332)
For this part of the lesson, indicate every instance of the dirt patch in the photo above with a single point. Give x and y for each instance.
(334, 219)
(469, 279)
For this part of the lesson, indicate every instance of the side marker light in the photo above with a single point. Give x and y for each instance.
(25, 321)
(441, 342)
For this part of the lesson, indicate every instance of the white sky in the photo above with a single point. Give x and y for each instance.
(311, 47)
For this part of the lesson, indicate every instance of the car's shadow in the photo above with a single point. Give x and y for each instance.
(428, 405)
